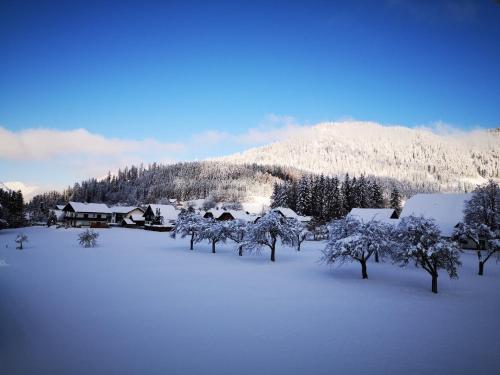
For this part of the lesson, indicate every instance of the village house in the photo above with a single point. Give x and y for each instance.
(166, 212)
(119, 213)
(58, 212)
(221, 214)
(384, 215)
(94, 215)
(291, 214)
(445, 209)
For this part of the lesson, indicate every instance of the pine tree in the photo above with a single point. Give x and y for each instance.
(377, 199)
(395, 201)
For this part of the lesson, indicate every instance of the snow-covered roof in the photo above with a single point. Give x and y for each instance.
(59, 213)
(446, 209)
(137, 217)
(124, 209)
(60, 206)
(237, 214)
(166, 210)
(100, 208)
(287, 212)
(304, 219)
(367, 214)
(128, 221)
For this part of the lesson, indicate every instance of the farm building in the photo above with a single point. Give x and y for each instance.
(445, 209)
(78, 214)
(385, 215)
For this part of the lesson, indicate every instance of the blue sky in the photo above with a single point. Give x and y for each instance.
(173, 71)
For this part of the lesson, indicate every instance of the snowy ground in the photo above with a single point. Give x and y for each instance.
(143, 303)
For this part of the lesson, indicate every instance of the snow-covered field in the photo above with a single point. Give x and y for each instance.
(142, 303)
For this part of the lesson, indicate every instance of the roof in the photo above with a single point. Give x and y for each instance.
(124, 209)
(128, 221)
(446, 209)
(369, 214)
(137, 217)
(287, 212)
(237, 214)
(60, 206)
(166, 210)
(89, 207)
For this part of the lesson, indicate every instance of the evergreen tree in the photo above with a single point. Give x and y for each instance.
(395, 201)
(377, 199)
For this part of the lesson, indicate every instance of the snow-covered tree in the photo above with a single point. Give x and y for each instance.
(376, 196)
(352, 240)
(20, 239)
(266, 231)
(481, 223)
(419, 240)
(188, 224)
(299, 231)
(88, 238)
(213, 230)
(279, 197)
(236, 232)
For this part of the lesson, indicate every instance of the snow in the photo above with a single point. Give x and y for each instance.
(141, 302)
(90, 207)
(129, 221)
(417, 157)
(367, 214)
(446, 209)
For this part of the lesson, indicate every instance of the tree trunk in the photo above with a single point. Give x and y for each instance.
(273, 250)
(376, 257)
(298, 247)
(240, 250)
(363, 269)
(192, 242)
(434, 283)
(481, 268)
(213, 247)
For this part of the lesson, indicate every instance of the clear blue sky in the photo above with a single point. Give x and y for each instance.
(139, 69)
(171, 70)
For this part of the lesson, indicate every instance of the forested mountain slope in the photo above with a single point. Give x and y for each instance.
(419, 158)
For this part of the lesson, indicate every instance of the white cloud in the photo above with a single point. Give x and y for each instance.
(273, 128)
(46, 144)
(28, 190)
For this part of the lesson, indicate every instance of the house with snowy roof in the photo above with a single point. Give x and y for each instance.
(445, 209)
(168, 215)
(58, 211)
(78, 214)
(291, 214)
(225, 215)
(119, 213)
(385, 215)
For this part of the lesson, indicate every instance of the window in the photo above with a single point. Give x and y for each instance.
(85, 216)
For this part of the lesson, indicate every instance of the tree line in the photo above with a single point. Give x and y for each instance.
(11, 209)
(326, 198)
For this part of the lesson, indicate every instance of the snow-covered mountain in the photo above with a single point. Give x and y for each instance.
(422, 158)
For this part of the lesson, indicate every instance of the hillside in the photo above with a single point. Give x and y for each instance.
(419, 158)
